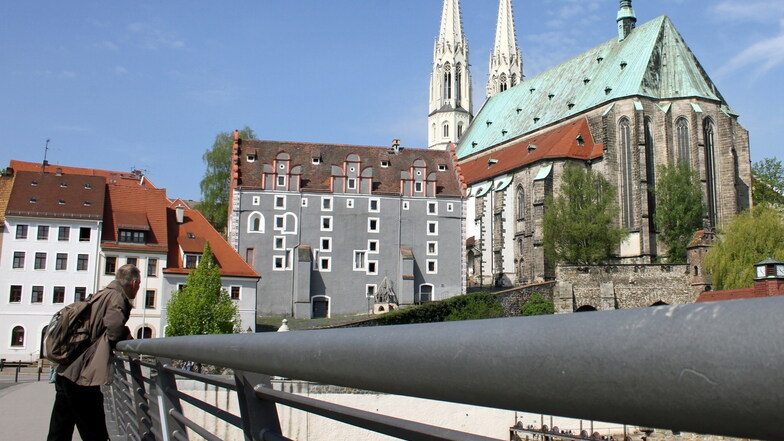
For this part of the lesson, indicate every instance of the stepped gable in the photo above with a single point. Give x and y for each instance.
(135, 208)
(559, 143)
(316, 177)
(652, 61)
(191, 235)
(134, 178)
(53, 195)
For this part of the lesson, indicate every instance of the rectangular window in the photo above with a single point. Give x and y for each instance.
(326, 223)
(149, 299)
(280, 202)
(374, 205)
(372, 267)
(256, 200)
(351, 184)
(325, 264)
(372, 246)
(280, 243)
(326, 203)
(370, 290)
(373, 225)
(349, 203)
(132, 236)
(64, 234)
(43, 232)
(84, 234)
(38, 294)
(131, 261)
(40, 261)
(432, 228)
(417, 187)
(432, 208)
(432, 248)
(450, 207)
(19, 258)
(80, 293)
(281, 181)
(280, 222)
(315, 160)
(21, 231)
(278, 263)
(82, 260)
(16, 294)
(191, 261)
(152, 267)
(235, 292)
(249, 256)
(111, 265)
(326, 244)
(359, 260)
(441, 167)
(432, 266)
(384, 164)
(61, 263)
(58, 294)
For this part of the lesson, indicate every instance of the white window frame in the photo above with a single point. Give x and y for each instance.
(370, 248)
(282, 218)
(435, 248)
(328, 260)
(433, 231)
(405, 205)
(384, 163)
(450, 207)
(275, 241)
(280, 202)
(432, 208)
(441, 167)
(321, 223)
(289, 227)
(278, 263)
(351, 183)
(360, 256)
(280, 181)
(371, 201)
(231, 287)
(256, 200)
(371, 293)
(418, 187)
(434, 262)
(349, 203)
(326, 203)
(370, 265)
(304, 202)
(370, 223)
(329, 244)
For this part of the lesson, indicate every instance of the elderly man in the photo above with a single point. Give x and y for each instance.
(78, 399)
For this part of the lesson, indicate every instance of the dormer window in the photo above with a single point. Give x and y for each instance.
(580, 140)
(87, 203)
(191, 236)
(61, 202)
(34, 183)
(88, 186)
(316, 161)
(132, 236)
(191, 260)
(384, 164)
(251, 158)
(441, 167)
(63, 185)
(33, 200)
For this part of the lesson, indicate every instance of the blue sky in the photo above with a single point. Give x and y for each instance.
(148, 84)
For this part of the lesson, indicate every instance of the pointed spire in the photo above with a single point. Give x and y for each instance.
(626, 19)
(451, 23)
(506, 64)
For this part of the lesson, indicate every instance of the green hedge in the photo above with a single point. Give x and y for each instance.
(480, 305)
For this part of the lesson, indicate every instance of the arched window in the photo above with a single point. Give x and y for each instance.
(458, 82)
(502, 87)
(513, 81)
(682, 135)
(447, 81)
(710, 171)
(650, 171)
(446, 130)
(425, 293)
(320, 305)
(459, 130)
(17, 337)
(290, 223)
(520, 203)
(627, 181)
(256, 222)
(144, 332)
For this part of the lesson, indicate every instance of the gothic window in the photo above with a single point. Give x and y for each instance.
(502, 87)
(710, 171)
(459, 130)
(513, 81)
(650, 171)
(682, 133)
(447, 82)
(256, 223)
(627, 181)
(446, 130)
(458, 81)
(520, 203)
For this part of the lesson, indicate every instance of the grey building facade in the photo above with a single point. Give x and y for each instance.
(339, 230)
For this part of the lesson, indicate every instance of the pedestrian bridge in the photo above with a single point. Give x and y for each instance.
(710, 368)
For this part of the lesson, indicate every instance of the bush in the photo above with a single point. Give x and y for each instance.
(473, 306)
(537, 305)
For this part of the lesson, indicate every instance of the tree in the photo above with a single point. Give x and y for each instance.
(537, 305)
(751, 237)
(214, 185)
(202, 306)
(767, 185)
(580, 223)
(679, 208)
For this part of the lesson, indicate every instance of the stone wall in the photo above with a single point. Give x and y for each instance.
(513, 299)
(609, 287)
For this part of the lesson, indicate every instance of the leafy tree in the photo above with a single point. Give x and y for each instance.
(679, 208)
(751, 237)
(214, 185)
(580, 223)
(476, 307)
(537, 305)
(767, 185)
(202, 306)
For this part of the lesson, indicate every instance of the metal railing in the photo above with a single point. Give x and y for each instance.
(711, 368)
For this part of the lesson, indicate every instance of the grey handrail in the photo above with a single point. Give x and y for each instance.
(713, 368)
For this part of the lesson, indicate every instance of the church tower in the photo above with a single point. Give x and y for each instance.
(450, 82)
(626, 19)
(506, 64)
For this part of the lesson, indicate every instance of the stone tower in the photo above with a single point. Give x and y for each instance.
(506, 64)
(450, 82)
(626, 19)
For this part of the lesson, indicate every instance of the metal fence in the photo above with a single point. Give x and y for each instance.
(712, 368)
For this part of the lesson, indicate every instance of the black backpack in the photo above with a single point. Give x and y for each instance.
(68, 334)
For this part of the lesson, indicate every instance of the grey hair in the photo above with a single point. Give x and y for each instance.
(127, 274)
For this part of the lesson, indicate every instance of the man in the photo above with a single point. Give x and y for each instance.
(78, 398)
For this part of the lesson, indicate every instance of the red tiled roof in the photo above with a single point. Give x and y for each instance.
(728, 294)
(135, 208)
(51, 195)
(6, 184)
(558, 143)
(130, 179)
(192, 235)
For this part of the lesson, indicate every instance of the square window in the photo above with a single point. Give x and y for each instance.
(432, 248)
(374, 205)
(250, 158)
(149, 299)
(21, 231)
(373, 225)
(372, 267)
(152, 267)
(19, 258)
(349, 203)
(40, 261)
(450, 207)
(405, 205)
(359, 260)
(326, 244)
(432, 228)
(58, 294)
(280, 222)
(61, 262)
(432, 266)
(432, 208)
(84, 234)
(43, 232)
(280, 202)
(441, 167)
(372, 246)
(326, 204)
(256, 200)
(64, 233)
(131, 261)
(351, 183)
(370, 290)
(191, 261)
(326, 223)
(315, 161)
(235, 292)
(325, 264)
(279, 263)
(82, 260)
(15, 294)
(38, 294)
(80, 293)
(279, 243)
(384, 164)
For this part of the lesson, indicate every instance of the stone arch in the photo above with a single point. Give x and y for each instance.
(586, 308)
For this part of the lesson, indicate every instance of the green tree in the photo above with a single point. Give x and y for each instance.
(537, 305)
(580, 223)
(679, 208)
(752, 236)
(202, 306)
(214, 185)
(767, 185)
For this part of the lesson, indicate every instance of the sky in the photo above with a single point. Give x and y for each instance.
(147, 85)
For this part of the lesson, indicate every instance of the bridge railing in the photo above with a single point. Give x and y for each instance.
(712, 368)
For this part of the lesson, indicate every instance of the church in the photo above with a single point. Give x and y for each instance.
(624, 108)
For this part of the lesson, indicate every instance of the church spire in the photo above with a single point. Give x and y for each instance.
(506, 64)
(626, 19)
(450, 82)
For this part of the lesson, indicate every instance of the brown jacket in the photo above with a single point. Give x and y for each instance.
(109, 314)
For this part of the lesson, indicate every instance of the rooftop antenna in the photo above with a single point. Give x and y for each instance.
(46, 150)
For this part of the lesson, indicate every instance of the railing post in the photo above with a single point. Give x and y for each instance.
(258, 415)
(140, 405)
(168, 401)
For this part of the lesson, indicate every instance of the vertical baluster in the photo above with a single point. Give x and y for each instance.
(167, 401)
(258, 415)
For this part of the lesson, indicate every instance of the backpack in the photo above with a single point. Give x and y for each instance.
(68, 334)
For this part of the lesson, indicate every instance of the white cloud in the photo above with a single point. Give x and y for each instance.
(762, 56)
(760, 10)
(108, 45)
(120, 70)
(152, 38)
(67, 74)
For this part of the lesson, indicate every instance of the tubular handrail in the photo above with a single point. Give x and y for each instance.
(713, 368)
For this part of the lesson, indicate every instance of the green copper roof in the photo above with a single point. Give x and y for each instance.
(653, 61)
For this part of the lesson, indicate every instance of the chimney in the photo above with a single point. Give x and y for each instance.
(180, 212)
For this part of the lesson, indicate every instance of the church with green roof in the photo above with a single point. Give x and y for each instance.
(624, 108)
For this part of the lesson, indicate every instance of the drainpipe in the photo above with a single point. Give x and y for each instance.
(97, 263)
